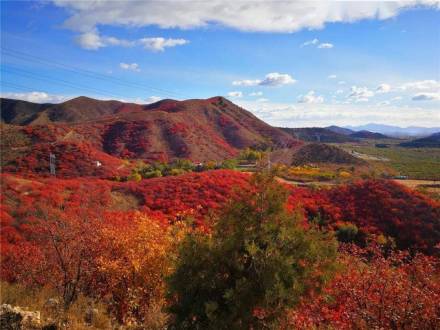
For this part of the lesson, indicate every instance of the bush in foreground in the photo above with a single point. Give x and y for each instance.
(257, 261)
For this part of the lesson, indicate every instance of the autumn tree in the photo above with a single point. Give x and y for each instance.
(375, 291)
(65, 233)
(135, 259)
(257, 261)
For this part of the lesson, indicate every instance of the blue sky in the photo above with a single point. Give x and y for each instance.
(300, 64)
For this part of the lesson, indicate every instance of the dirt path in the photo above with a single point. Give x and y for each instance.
(416, 183)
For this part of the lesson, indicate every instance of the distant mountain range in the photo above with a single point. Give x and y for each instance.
(364, 134)
(395, 131)
(339, 130)
(354, 135)
(432, 141)
(318, 134)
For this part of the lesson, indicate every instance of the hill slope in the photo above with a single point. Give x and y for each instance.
(322, 153)
(340, 130)
(318, 134)
(432, 141)
(200, 130)
(368, 135)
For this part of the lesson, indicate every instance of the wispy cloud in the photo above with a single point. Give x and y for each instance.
(315, 42)
(235, 94)
(310, 97)
(325, 45)
(92, 40)
(36, 97)
(360, 94)
(383, 88)
(271, 79)
(153, 99)
(130, 67)
(426, 97)
(159, 44)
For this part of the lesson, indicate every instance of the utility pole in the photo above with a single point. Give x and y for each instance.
(52, 163)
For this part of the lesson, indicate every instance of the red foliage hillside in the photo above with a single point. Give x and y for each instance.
(375, 207)
(72, 160)
(200, 130)
(412, 219)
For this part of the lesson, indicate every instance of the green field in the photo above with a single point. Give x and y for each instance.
(416, 163)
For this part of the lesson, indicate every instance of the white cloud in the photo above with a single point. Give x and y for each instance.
(315, 42)
(360, 94)
(159, 44)
(153, 99)
(310, 42)
(310, 97)
(130, 66)
(383, 88)
(396, 98)
(426, 97)
(332, 76)
(267, 16)
(325, 114)
(246, 82)
(36, 97)
(235, 94)
(271, 79)
(339, 91)
(92, 40)
(262, 100)
(325, 45)
(342, 82)
(421, 85)
(256, 94)
(277, 79)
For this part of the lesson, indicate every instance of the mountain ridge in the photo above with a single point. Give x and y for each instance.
(196, 129)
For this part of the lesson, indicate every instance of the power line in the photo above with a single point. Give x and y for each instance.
(57, 81)
(91, 74)
(77, 70)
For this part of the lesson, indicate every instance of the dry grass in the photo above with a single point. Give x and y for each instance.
(37, 300)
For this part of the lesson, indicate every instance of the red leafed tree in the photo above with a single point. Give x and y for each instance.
(376, 292)
(64, 239)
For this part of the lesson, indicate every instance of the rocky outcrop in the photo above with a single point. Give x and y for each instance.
(16, 318)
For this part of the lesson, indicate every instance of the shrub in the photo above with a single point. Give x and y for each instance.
(347, 232)
(257, 262)
(135, 176)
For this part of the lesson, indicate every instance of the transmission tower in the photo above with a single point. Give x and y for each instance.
(52, 163)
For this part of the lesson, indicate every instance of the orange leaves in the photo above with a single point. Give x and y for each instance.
(134, 261)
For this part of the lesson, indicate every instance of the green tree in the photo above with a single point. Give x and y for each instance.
(347, 232)
(135, 176)
(257, 261)
(229, 164)
(151, 174)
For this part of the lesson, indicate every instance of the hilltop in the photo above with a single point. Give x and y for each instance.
(368, 135)
(340, 130)
(318, 134)
(322, 153)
